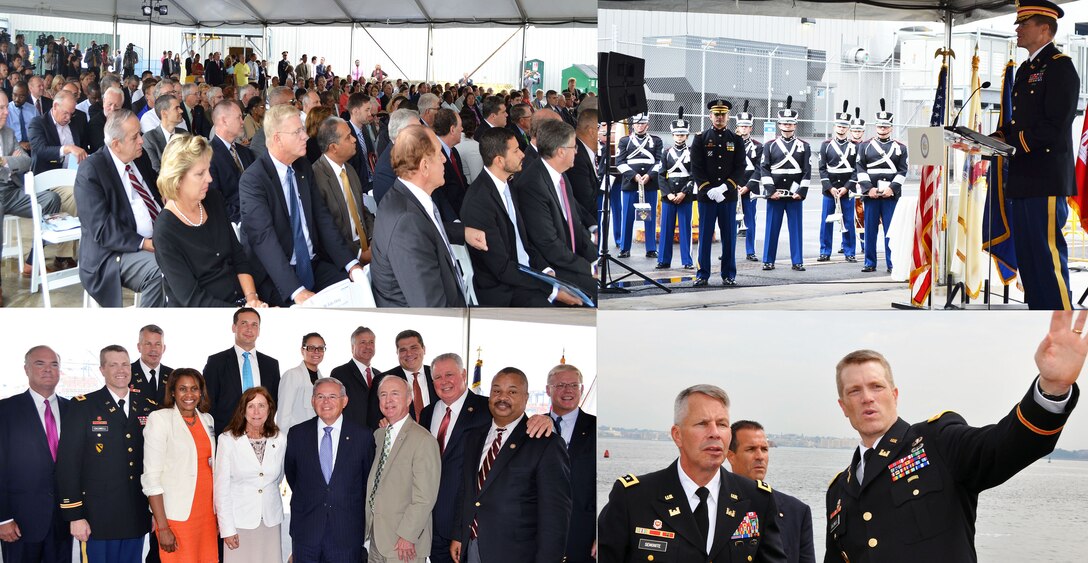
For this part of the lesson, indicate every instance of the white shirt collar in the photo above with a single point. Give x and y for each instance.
(424, 200)
(690, 486)
(499, 184)
(455, 407)
(147, 369)
(336, 168)
(1037, 51)
(38, 399)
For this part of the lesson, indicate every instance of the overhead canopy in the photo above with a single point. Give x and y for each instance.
(204, 13)
(889, 10)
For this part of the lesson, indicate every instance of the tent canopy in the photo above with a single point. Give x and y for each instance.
(888, 10)
(202, 13)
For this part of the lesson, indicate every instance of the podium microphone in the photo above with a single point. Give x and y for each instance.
(957, 119)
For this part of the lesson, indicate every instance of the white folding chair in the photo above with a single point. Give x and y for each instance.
(13, 239)
(460, 252)
(367, 292)
(33, 185)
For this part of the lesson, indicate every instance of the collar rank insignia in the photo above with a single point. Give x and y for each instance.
(884, 453)
(668, 497)
(734, 496)
(730, 512)
(674, 511)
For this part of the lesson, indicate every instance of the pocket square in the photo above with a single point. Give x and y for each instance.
(748, 528)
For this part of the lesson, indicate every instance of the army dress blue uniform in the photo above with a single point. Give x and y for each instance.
(635, 155)
(717, 160)
(753, 152)
(880, 161)
(650, 518)
(785, 169)
(99, 463)
(676, 179)
(918, 495)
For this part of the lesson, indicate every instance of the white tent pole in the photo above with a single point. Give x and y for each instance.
(116, 38)
(430, 37)
(521, 70)
(351, 50)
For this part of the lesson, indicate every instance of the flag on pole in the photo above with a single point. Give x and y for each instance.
(922, 256)
(1079, 202)
(969, 257)
(476, 373)
(996, 235)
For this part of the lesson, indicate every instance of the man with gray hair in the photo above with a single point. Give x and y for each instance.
(428, 106)
(192, 112)
(151, 119)
(341, 187)
(578, 429)
(113, 99)
(383, 168)
(276, 96)
(229, 158)
(693, 510)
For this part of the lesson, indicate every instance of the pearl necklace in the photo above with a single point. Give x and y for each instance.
(200, 221)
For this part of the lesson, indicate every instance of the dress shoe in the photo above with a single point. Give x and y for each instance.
(689, 266)
(625, 254)
(699, 282)
(661, 266)
(651, 254)
(868, 268)
(64, 263)
(851, 259)
(28, 269)
(889, 270)
(768, 265)
(729, 281)
(798, 267)
(841, 251)
(824, 258)
(751, 258)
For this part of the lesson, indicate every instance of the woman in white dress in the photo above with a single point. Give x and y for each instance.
(297, 384)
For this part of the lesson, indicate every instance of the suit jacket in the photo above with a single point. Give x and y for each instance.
(170, 456)
(583, 475)
(140, 382)
(267, 225)
(496, 277)
(473, 416)
(523, 508)
(224, 381)
(27, 470)
(547, 230)
(362, 399)
(411, 266)
(456, 183)
(45, 142)
(406, 494)
(432, 395)
(199, 123)
(225, 174)
(795, 522)
(336, 509)
(483, 126)
(327, 182)
(18, 161)
(155, 143)
(363, 167)
(107, 224)
(240, 481)
(384, 177)
(585, 184)
(96, 132)
(522, 137)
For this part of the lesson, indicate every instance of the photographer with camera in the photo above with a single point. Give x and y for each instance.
(130, 60)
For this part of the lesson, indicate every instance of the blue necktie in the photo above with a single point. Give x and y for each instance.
(247, 372)
(303, 269)
(22, 124)
(523, 257)
(325, 454)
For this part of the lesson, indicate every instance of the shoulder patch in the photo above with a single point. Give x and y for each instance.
(835, 478)
(628, 480)
(937, 416)
(80, 398)
(763, 486)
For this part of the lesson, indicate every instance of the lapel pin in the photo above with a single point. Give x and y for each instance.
(730, 512)
(513, 446)
(674, 511)
(885, 453)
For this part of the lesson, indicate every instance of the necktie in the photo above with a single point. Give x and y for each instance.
(449, 249)
(121, 407)
(567, 212)
(523, 257)
(303, 269)
(38, 105)
(442, 432)
(151, 380)
(865, 462)
(484, 470)
(353, 209)
(386, 445)
(22, 123)
(237, 161)
(152, 207)
(247, 372)
(369, 378)
(701, 516)
(362, 152)
(324, 454)
(417, 396)
(558, 425)
(51, 429)
(455, 161)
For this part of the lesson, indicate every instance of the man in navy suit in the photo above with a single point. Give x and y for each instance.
(579, 431)
(328, 514)
(360, 115)
(447, 126)
(31, 527)
(47, 148)
(749, 454)
(229, 159)
(148, 373)
(515, 494)
(229, 373)
(294, 246)
(360, 379)
(410, 355)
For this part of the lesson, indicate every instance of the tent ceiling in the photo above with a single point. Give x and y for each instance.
(204, 13)
(897, 10)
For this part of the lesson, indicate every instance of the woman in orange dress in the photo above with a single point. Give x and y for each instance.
(178, 458)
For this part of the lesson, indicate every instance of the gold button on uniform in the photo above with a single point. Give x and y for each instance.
(915, 492)
(872, 542)
(649, 557)
(749, 557)
(867, 516)
(128, 435)
(477, 504)
(130, 450)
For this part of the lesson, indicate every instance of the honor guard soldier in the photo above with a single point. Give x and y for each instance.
(753, 151)
(1044, 103)
(857, 135)
(881, 170)
(692, 511)
(638, 159)
(838, 156)
(679, 192)
(717, 166)
(99, 463)
(784, 171)
(911, 491)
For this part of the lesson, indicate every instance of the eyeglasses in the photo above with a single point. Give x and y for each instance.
(321, 398)
(314, 348)
(566, 386)
(297, 132)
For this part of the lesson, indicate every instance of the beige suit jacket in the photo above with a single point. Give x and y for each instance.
(328, 185)
(407, 492)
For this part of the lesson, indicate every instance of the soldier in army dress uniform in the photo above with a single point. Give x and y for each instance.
(717, 166)
(99, 462)
(678, 190)
(753, 152)
(693, 510)
(838, 157)
(638, 159)
(911, 491)
(784, 176)
(881, 171)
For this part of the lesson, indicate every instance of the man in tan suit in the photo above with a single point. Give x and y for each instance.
(403, 484)
(354, 221)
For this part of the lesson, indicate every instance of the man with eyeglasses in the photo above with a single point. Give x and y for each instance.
(297, 383)
(577, 428)
(231, 372)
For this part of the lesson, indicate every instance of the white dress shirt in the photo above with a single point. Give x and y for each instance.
(556, 176)
(252, 364)
(567, 422)
(690, 488)
(440, 413)
(394, 430)
(144, 226)
(54, 405)
(147, 373)
(281, 171)
(336, 426)
(117, 399)
(149, 120)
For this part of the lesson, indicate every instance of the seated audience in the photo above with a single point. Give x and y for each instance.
(341, 188)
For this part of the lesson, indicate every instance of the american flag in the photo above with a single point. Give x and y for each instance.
(922, 257)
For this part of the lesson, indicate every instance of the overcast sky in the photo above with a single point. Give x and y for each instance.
(779, 367)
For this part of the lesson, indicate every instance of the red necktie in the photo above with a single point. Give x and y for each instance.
(566, 206)
(442, 432)
(51, 430)
(369, 377)
(482, 475)
(417, 396)
(454, 158)
(152, 208)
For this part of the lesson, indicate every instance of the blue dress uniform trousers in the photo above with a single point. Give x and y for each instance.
(670, 212)
(114, 551)
(725, 215)
(775, 208)
(827, 230)
(629, 200)
(878, 210)
(1036, 224)
(748, 206)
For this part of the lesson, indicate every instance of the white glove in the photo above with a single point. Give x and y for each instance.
(717, 194)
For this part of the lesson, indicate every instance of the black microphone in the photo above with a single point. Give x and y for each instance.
(957, 119)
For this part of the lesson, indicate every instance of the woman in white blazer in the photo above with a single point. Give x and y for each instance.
(248, 471)
(297, 384)
(179, 453)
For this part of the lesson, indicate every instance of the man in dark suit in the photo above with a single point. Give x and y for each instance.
(341, 187)
(410, 354)
(531, 153)
(196, 121)
(501, 463)
(328, 509)
(359, 378)
(149, 376)
(490, 206)
(521, 115)
(294, 247)
(31, 527)
(47, 148)
(112, 100)
(579, 431)
(231, 372)
(583, 175)
(384, 176)
(229, 159)
(360, 112)
(494, 111)
(749, 455)
(447, 126)
(118, 201)
(168, 108)
(552, 223)
(284, 68)
(36, 85)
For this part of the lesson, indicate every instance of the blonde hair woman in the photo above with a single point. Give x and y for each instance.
(202, 262)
